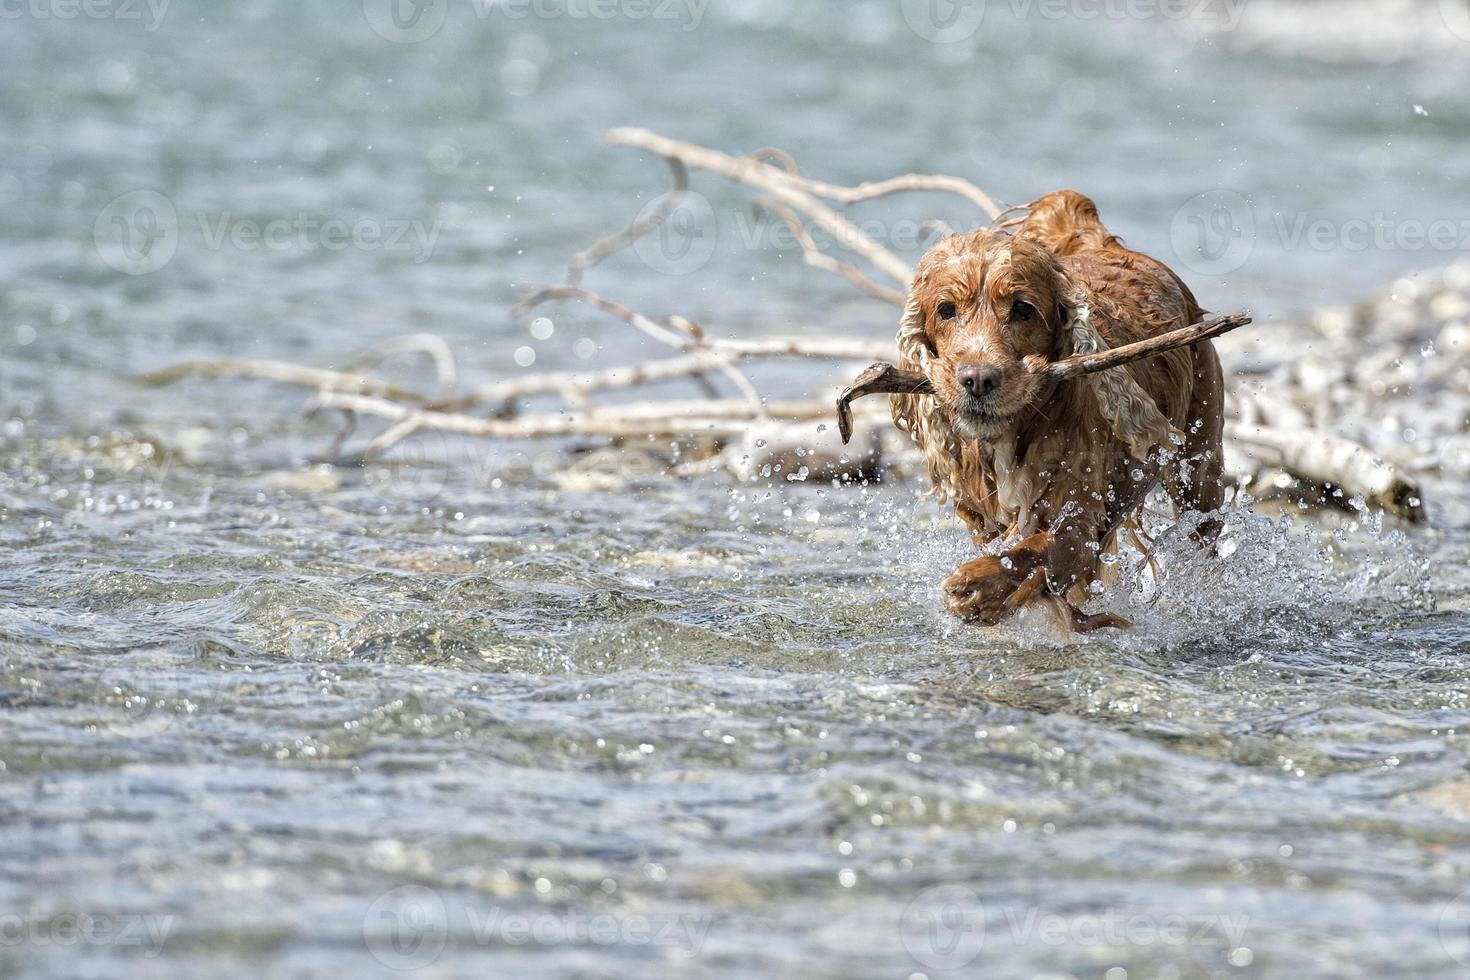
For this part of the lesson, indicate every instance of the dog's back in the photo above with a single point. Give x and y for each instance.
(1139, 296)
(1068, 223)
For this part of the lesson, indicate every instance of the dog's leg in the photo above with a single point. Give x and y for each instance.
(988, 589)
(1070, 619)
(1194, 482)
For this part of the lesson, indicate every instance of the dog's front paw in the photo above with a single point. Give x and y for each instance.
(987, 589)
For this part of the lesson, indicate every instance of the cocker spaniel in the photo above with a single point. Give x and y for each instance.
(1047, 471)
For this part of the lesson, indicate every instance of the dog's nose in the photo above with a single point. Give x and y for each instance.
(978, 379)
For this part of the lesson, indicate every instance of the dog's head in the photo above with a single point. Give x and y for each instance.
(980, 306)
(984, 308)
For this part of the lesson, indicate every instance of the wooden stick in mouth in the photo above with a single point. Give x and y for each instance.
(883, 378)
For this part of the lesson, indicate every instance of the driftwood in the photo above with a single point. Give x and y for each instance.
(701, 356)
(1335, 463)
(884, 378)
(878, 379)
(280, 371)
(1073, 367)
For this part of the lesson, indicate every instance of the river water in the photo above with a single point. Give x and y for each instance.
(468, 713)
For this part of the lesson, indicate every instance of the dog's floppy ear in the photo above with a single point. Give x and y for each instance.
(1131, 412)
(920, 415)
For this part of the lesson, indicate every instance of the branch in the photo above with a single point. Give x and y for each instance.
(883, 378)
(908, 182)
(572, 385)
(1326, 459)
(281, 371)
(790, 190)
(756, 347)
(612, 244)
(819, 259)
(722, 418)
(430, 344)
(1073, 367)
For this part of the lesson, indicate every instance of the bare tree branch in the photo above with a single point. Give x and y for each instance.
(281, 371)
(788, 189)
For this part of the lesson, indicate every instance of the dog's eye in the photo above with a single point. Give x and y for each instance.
(946, 311)
(1022, 310)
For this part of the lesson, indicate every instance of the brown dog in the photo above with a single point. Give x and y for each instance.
(1054, 469)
